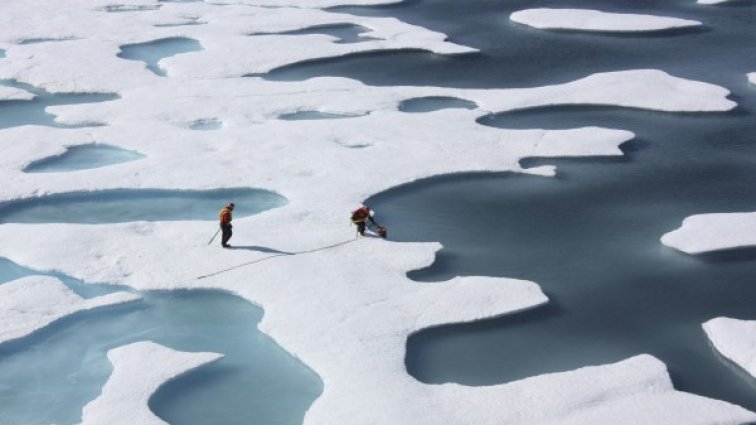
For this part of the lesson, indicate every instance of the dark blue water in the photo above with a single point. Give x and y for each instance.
(125, 205)
(15, 113)
(590, 236)
(61, 368)
(152, 52)
(83, 158)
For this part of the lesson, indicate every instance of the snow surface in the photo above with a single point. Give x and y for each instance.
(13, 93)
(594, 20)
(345, 311)
(735, 339)
(139, 369)
(32, 303)
(752, 77)
(713, 232)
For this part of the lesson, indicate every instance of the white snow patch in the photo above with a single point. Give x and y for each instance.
(713, 232)
(594, 20)
(13, 93)
(32, 303)
(735, 339)
(139, 369)
(752, 77)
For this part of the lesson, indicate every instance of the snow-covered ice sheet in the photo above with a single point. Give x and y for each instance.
(734, 339)
(139, 369)
(345, 311)
(594, 20)
(713, 232)
(32, 303)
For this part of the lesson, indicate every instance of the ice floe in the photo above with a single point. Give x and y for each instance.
(594, 20)
(32, 303)
(734, 339)
(345, 306)
(139, 369)
(713, 232)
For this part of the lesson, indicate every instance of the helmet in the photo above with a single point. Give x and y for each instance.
(230, 205)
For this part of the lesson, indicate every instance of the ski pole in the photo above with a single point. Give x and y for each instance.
(213, 238)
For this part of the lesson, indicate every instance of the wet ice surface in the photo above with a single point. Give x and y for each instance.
(83, 158)
(125, 205)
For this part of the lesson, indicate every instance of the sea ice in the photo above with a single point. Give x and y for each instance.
(735, 339)
(139, 369)
(594, 20)
(32, 303)
(713, 232)
(346, 311)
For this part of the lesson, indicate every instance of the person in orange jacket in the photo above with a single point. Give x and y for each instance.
(360, 217)
(225, 224)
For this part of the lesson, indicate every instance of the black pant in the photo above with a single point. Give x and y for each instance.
(226, 229)
(363, 224)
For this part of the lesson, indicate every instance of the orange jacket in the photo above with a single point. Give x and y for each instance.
(360, 215)
(225, 216)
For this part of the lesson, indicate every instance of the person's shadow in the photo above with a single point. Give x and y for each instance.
(262, 249)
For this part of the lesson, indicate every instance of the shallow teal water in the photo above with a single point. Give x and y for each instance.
(152, 52)
(15, 113)
(125, 205)
(83, 157)
(49, 376)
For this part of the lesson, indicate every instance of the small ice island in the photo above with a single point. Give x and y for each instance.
(594, 20)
